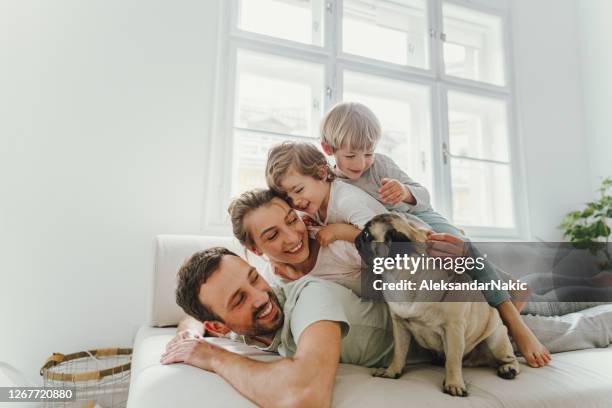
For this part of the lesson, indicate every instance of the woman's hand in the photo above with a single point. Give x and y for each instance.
(443, 244)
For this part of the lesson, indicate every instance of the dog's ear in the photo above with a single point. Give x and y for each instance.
(395, 236)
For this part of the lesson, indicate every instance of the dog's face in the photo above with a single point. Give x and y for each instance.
(385, 229)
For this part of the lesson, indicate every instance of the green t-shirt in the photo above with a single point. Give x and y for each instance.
(367, 334)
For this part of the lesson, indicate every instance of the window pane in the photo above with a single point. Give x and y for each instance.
(295, 20)
(478, 127)
(251, 150)
(388, 30)
(482, 194)
(403, 110)
(473, 48)
(278, 95)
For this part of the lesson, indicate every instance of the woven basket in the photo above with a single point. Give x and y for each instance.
(99, 377)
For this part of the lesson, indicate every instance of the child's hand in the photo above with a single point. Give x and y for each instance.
(337, 232)
(327, 234)
(393, 192)
(445, 245)
(285, 271)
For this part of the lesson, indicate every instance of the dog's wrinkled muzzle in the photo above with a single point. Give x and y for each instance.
(362, 243)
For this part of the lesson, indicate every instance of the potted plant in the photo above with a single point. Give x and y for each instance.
(589, 229)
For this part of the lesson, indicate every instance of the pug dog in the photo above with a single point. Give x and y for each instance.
(454, 329)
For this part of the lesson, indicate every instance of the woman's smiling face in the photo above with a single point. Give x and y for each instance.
(278, 232)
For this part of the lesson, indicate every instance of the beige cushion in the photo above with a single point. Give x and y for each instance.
(171, 251)
(575, 379)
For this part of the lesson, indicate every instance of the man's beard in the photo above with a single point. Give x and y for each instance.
(271, 327)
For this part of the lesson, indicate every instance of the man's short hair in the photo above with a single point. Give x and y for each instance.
(192, 275)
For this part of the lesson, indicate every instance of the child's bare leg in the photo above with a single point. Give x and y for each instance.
(528, 344)
(519, 298)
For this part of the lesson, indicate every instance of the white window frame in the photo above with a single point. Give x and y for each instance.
(218, 177)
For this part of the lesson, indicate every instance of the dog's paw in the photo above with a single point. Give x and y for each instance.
(508, 371)
(386, 373)
(455, 388)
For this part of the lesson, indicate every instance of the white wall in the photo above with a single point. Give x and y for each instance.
(105, 108)
(551, 109)
(105, 111)
(595, 35)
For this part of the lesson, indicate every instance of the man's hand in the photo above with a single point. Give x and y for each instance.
(196, 352)
(442, 244)
(393, 192)
(184, 334)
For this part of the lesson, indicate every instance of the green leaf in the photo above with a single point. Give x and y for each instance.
(588, 211)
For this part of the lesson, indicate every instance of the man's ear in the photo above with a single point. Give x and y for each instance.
(215, 328)
(327, 149)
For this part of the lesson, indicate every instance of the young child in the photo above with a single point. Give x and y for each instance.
(350, 132)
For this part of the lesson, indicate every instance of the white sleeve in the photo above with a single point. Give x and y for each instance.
(357, 207)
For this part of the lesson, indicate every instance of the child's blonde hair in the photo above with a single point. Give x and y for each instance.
(304, 158)
(352, 125)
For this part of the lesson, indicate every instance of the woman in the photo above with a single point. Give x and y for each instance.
(266, 225)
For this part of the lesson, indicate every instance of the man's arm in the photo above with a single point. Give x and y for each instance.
(304, 380)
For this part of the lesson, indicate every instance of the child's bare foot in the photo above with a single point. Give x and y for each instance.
(602, 279)
(530, 347)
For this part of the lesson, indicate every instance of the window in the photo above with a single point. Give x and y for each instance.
(289, 109)
(435, 72)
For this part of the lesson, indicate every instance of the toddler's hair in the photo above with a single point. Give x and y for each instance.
(352, 125)
(304, 158)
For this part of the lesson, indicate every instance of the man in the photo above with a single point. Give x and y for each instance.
(314, 324)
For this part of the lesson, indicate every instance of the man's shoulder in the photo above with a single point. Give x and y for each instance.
(310, 284)
(313, 292)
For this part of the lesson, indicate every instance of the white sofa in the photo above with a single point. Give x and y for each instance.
(574, 379)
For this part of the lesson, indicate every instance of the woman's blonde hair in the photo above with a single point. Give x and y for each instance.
(241, 206)
(352, 125)
(304, 158)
